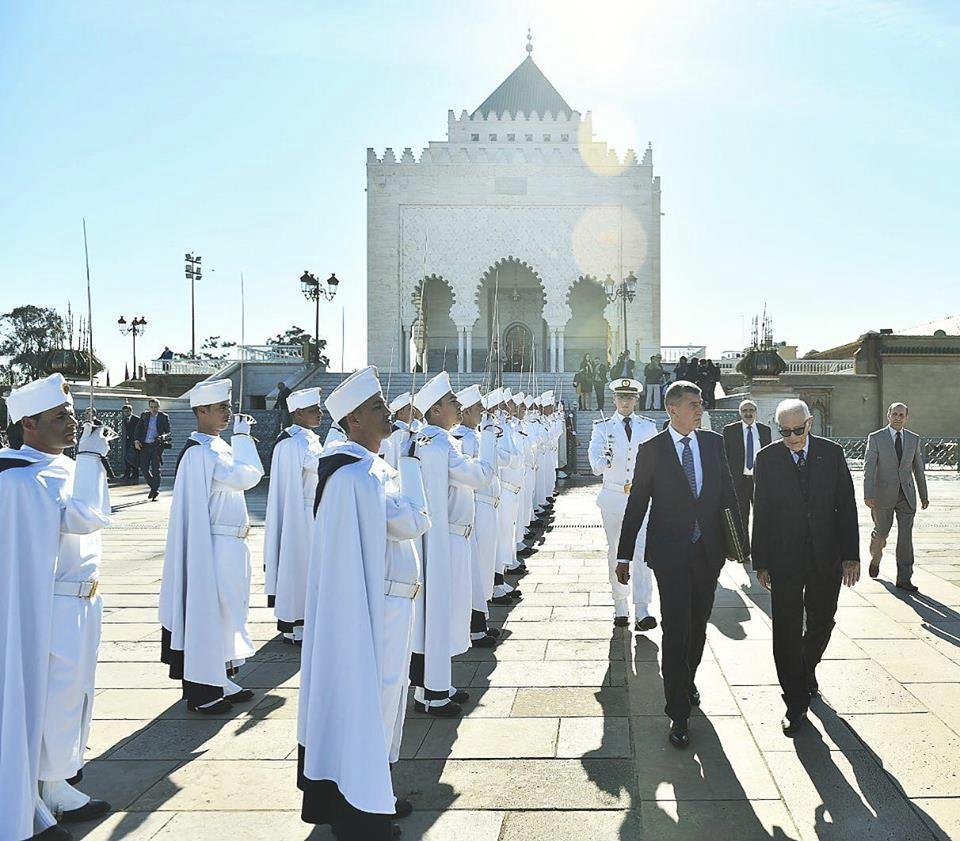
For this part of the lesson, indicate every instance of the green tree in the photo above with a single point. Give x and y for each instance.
(216, 348)
(27, 335)
(298, 336)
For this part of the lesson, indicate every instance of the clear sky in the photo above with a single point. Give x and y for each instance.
(808, 151)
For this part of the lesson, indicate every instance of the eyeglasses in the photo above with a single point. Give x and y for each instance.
(796, 430)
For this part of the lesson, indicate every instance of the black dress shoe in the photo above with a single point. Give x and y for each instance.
(448, 710)
(516, 594)
(222, 706)
(239, 697)
(907, 587)
(679, 734)
(648, 623)
(621, 621)
(484, 642)
(403, 809)
(519, 571)
(460, 696)
(526, 552)
(792, 722)
(505, 599)
(694, 697)
(494, 632)
(89, 811)
(54, 833)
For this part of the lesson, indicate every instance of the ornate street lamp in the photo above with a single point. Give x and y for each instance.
(192, 270)
(135, 328)
(625, 290)
(314, 291)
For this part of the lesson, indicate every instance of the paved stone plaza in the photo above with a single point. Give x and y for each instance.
(565, 736)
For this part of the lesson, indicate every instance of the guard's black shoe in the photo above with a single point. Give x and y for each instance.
(403, 809)
(519, 571)
(648, 623)
(222, 706)
(494, 632)
(505, 599)
(239, 697)
(448, 710)
(515, 594)
(621, 621)
(54, 833)
(460, 696)
(484, 642)
(90, 810)
(907, 587)
(679, 734)
(526, 552)
(792, 722)
(694, 696)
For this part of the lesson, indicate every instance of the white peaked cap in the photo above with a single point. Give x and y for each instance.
(354, 390)
(528, 401)
(493, 398)
(469, 396)
(303, 399)
(432, 392)
(37, 397)
(626, 386)
(546, 399)
(209, 392)
(400, 401)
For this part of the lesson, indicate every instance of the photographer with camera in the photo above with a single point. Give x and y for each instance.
(152, 438)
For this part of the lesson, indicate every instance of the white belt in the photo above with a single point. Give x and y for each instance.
(619, 488)
(461, 530)
(510, 487)
(79, 589)
(239, 532)
(489, 500)
(401, 589)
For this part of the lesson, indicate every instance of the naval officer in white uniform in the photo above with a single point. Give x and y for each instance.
(614, 444)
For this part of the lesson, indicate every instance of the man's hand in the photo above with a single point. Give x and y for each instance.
(763, 576)
(623, 572)
(95, 439)
(851, 572)
(242, 424)
(870, 502)
(138, 445)
(925, 504)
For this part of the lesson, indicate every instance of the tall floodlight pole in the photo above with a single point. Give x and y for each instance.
(626, 290)
(192, 270)
(135, 328)
(314, 291)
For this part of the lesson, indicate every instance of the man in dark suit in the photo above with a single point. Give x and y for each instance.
(128, 437)
(152, 425)
(682, 476)
(742, 440)
(805, 543)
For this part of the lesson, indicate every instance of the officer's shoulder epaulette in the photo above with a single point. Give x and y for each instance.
(599, 420)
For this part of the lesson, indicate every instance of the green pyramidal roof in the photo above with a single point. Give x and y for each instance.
(524, 91)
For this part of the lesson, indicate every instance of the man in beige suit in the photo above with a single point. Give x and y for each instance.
(892, 475)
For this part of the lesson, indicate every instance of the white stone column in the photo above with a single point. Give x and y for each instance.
(553, 350)
(560, 357)
(468, 331)
(460, 348)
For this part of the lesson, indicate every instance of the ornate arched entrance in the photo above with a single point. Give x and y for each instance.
(517, 347)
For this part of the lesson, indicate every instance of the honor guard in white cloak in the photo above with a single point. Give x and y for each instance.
(335, 435)
(289, 521)
(205, 591)
(405, 425)
(483, 538)
(528, 528)
(363, 576)
(442, 619)
(52, 510)
(510, 462)
(614, 444)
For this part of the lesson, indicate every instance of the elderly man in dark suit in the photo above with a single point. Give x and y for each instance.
(805, 543)
(151, 428)
(893, 474)
(682, 476)
(742, 440)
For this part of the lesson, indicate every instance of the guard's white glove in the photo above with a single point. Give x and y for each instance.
(242, 424)
(95, 439)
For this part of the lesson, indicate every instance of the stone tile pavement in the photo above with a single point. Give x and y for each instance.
(565, 736)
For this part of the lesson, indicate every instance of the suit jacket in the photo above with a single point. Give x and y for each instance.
(787, 529)
(660, 484)
(163, 425)
(883, 477)
(733, 444)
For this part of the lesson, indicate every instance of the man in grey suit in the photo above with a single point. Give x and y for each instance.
(892, 476)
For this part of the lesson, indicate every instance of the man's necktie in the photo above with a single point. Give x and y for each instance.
(691, 471)
(749, 448)
(803, 475)
(899, 447)
(627, 427)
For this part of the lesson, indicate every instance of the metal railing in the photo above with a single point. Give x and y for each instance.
(269, 353)
(672, 353)
(184, 366)
(798, 366)
(938, 453)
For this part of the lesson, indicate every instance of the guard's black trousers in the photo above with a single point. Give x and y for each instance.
(686, 599)
(797, 650)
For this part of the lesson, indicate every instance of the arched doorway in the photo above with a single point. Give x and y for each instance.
(587, 330)
(433, 331)
(517, 347)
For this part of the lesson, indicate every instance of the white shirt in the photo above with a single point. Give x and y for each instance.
(694, 448)
(893, 433)
(750, 430)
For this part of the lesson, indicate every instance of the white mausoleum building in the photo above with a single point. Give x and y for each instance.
(498, 240)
